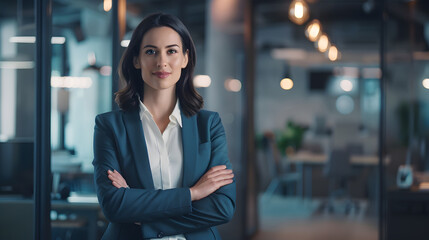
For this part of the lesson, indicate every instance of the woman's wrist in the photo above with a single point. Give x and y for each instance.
(192, 191)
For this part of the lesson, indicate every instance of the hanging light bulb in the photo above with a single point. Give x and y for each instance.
(425, 83)
(286, 83)
(322, 43)
(333, 53)
(107, 5)
(298, 12)
(313, 30)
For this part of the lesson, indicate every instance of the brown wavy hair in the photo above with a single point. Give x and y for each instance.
(128, 97)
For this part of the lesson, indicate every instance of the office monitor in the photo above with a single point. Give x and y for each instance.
(319, 79)
(16, 168)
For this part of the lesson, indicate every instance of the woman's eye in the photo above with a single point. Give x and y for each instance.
(171, 51)
(150, 52)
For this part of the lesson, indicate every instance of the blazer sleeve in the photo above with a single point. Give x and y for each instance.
(215, 209)
(130, 205)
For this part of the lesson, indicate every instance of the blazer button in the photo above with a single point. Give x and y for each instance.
(160, 235)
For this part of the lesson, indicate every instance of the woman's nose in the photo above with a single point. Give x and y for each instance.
(161, 61)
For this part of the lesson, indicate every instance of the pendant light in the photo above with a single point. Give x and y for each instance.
(299, 12)
(322, 44)
(313, 30)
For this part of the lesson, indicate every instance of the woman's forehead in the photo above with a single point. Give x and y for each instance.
(161, 37)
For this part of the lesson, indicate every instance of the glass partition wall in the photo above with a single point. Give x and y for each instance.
(317, 106)
(81, 88)
(407, 118)
(17, 118)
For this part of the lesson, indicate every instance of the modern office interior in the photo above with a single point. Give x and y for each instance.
(325, 105)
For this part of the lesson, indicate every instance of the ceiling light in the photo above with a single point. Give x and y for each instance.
(71, 82)
(16, 64)
(313, 30)
(125, 43)
(346, 85)
(32, 39)
(323, 43)
(58, 40)
(106, 70)
(333, 53)
(298, 12)
(202, 81)
(22, 39)
(107, 5)
(286, 84)
(426, 83)
(232, 85)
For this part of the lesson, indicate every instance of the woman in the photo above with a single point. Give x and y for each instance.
(161, 164)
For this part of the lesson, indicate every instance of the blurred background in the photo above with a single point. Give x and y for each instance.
(325, 104)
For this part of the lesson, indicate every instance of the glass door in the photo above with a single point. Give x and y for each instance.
(406, 72)
(81, 88)
(317, 106)
(17, 118)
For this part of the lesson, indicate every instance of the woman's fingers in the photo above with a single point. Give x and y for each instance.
(114, 177)
(222, 180)
(117, 179)
(215, 178)
(215, 168)
(226, 182)
(223, 177)
(217, 172)
(116, 184)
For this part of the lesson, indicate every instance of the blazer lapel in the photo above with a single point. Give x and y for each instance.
(138, 146)
(190, 146)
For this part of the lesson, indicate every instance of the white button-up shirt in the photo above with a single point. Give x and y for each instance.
(165, 152)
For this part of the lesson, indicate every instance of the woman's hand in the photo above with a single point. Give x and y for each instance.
(117, 179)
(119, 182)
(212, 180)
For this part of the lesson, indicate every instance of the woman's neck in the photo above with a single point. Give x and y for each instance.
(161, 104)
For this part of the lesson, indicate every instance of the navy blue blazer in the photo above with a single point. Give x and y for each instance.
(119, 144)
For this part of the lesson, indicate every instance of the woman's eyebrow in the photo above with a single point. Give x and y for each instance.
(149, 46)
(152, 46)
(173, 45)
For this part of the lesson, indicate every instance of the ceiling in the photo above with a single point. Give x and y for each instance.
(354, 26)
(351, 24)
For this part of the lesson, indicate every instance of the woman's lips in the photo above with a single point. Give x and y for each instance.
(161, 74)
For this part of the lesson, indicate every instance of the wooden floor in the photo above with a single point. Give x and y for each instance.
(316, 229)
(293, 219)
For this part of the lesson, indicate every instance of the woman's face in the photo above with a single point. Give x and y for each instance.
(161, 58)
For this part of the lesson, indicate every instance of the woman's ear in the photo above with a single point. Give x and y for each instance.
(136, 63)
(185, 60)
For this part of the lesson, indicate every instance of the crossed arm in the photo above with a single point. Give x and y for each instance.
(210, 202)
(212, 180)
(207, 211)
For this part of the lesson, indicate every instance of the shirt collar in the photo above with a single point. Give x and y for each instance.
(175, 116)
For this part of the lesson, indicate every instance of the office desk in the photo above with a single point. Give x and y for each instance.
(305, 161)
(407, 214)
(17, 219)
(84, 220)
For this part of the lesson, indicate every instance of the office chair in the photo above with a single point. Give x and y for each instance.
(280, 169)
(339, 172)
(355, 149)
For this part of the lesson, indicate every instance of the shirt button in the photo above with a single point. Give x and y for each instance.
(160, 235)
